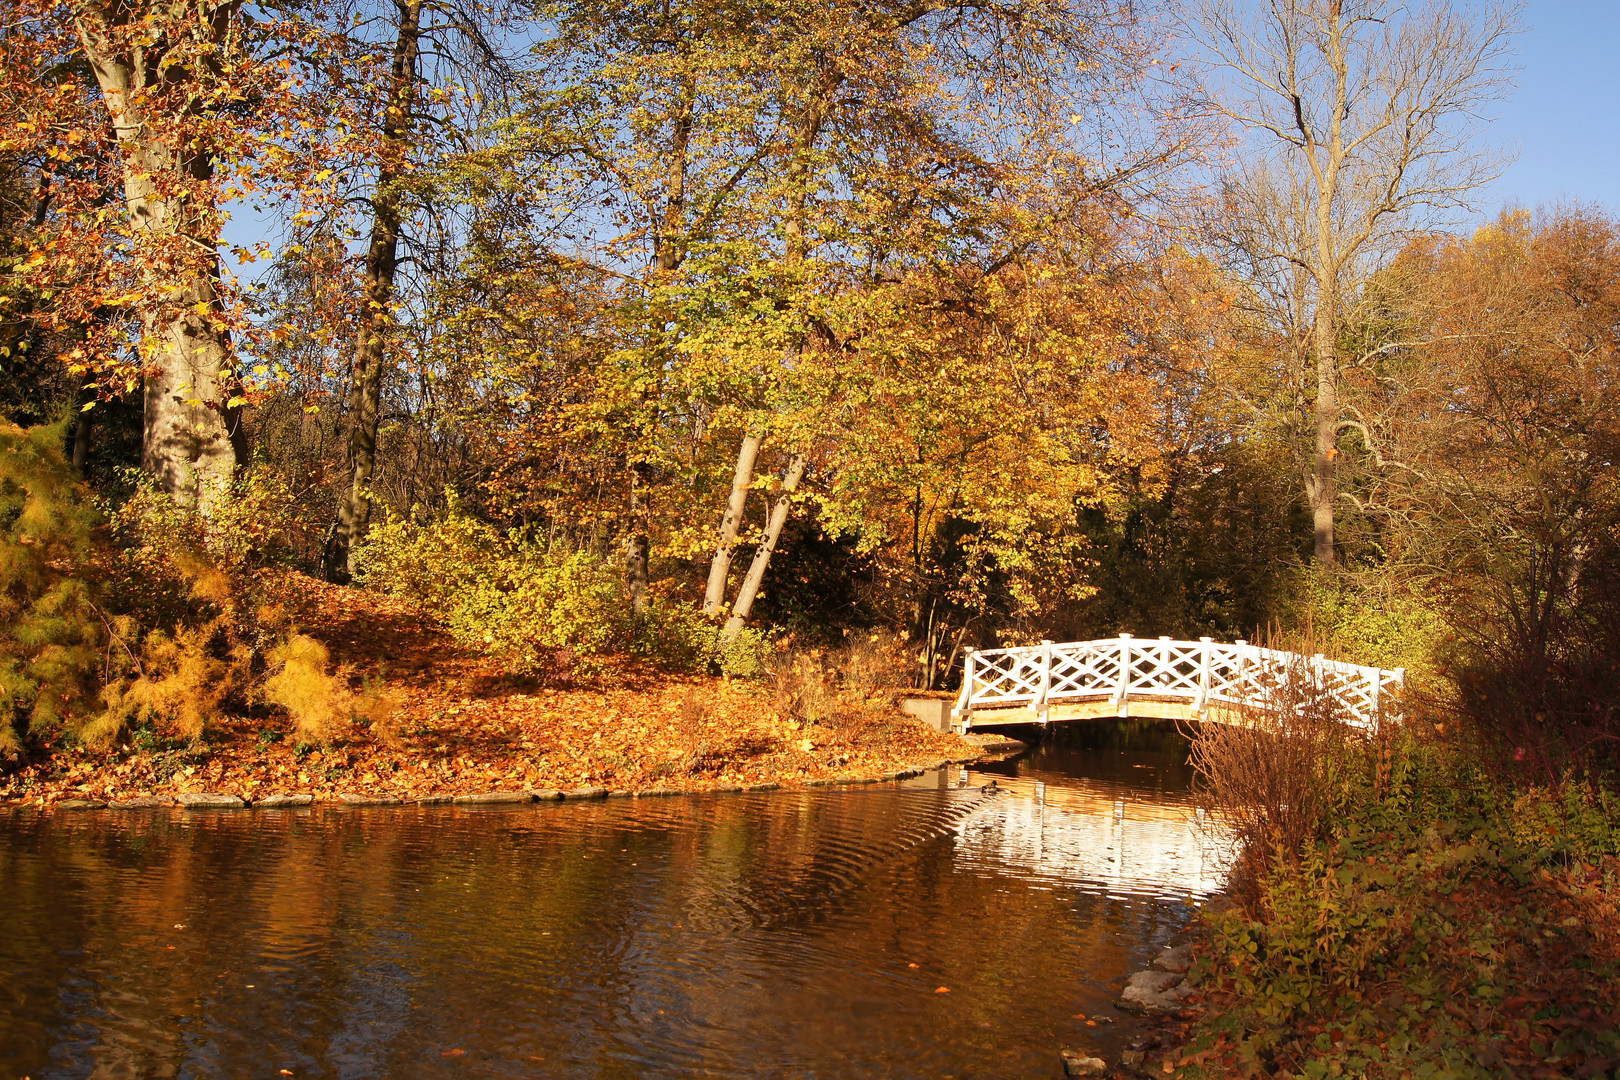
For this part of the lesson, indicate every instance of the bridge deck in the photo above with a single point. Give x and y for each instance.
(1103, 708)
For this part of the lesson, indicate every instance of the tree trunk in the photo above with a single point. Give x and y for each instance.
(749, 590)
(669, 250)
(1323, 487)
(193, 440)
(82, 426)
(382, 263)
(715, 595)
(638, 549)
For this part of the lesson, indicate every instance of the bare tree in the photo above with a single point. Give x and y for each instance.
(1363, 124)
(436, 44)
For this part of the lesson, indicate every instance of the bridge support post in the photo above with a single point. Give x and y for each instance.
(962, 715)
(1122, 692)
(1042, 709)
(1241, 671)
(1201, 706)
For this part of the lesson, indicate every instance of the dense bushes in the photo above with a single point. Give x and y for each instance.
(538, 609)
(544, 610)
(1440, 922)
(50, 629)
(139, 612)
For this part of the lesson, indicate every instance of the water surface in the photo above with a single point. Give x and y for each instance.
(932, 930)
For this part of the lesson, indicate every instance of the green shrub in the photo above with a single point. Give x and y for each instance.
(535, 608)
(1368, 623)
(540, 609)
(679, 636)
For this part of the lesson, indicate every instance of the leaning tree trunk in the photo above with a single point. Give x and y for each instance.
(796, 246)
(382, 264)
(749, 590)
(714, 596)
(193, 440)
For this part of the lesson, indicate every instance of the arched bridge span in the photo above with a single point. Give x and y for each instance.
(1163, 679)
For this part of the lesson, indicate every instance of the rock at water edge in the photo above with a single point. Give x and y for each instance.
(1153, 991)
(209, 800)
(272, 802)
(141, 802)
(1078, 1064)
(491, 797)
(349, 798)
(1176, 960)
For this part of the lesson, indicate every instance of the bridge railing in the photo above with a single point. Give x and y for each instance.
(1203, 673)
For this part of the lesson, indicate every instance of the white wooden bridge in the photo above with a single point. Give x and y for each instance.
(1164, 679)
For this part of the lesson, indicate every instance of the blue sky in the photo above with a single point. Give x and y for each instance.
(1564, 118)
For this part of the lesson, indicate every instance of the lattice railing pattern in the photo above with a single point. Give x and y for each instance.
(1202, 672)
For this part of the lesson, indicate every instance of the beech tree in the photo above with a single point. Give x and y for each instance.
(167, 73)
(145, 121)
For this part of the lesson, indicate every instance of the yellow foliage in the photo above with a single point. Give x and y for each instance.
(380, 707)
(318, 700)
(180, 684)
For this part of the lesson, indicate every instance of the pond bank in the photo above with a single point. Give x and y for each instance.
(461, 726)
(758, 757)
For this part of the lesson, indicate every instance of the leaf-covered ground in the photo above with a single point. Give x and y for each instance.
(465, 727)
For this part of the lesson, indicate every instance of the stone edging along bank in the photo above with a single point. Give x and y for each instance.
(226, 801)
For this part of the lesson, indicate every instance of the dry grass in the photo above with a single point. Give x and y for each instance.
(839, 687)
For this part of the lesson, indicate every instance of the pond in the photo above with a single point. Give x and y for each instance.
(925, 929)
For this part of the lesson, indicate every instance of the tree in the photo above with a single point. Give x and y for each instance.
(1361, 118)
(139, 124)
(1499, 434)
(398, 106)
(169, 74)
(886, 177)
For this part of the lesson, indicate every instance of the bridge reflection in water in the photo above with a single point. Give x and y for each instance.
(1122, 834)
(1103, 836)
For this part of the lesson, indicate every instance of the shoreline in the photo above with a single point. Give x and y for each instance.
(231, 797)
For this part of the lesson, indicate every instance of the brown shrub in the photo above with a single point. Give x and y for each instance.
(840, 687)
(1276, 773)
